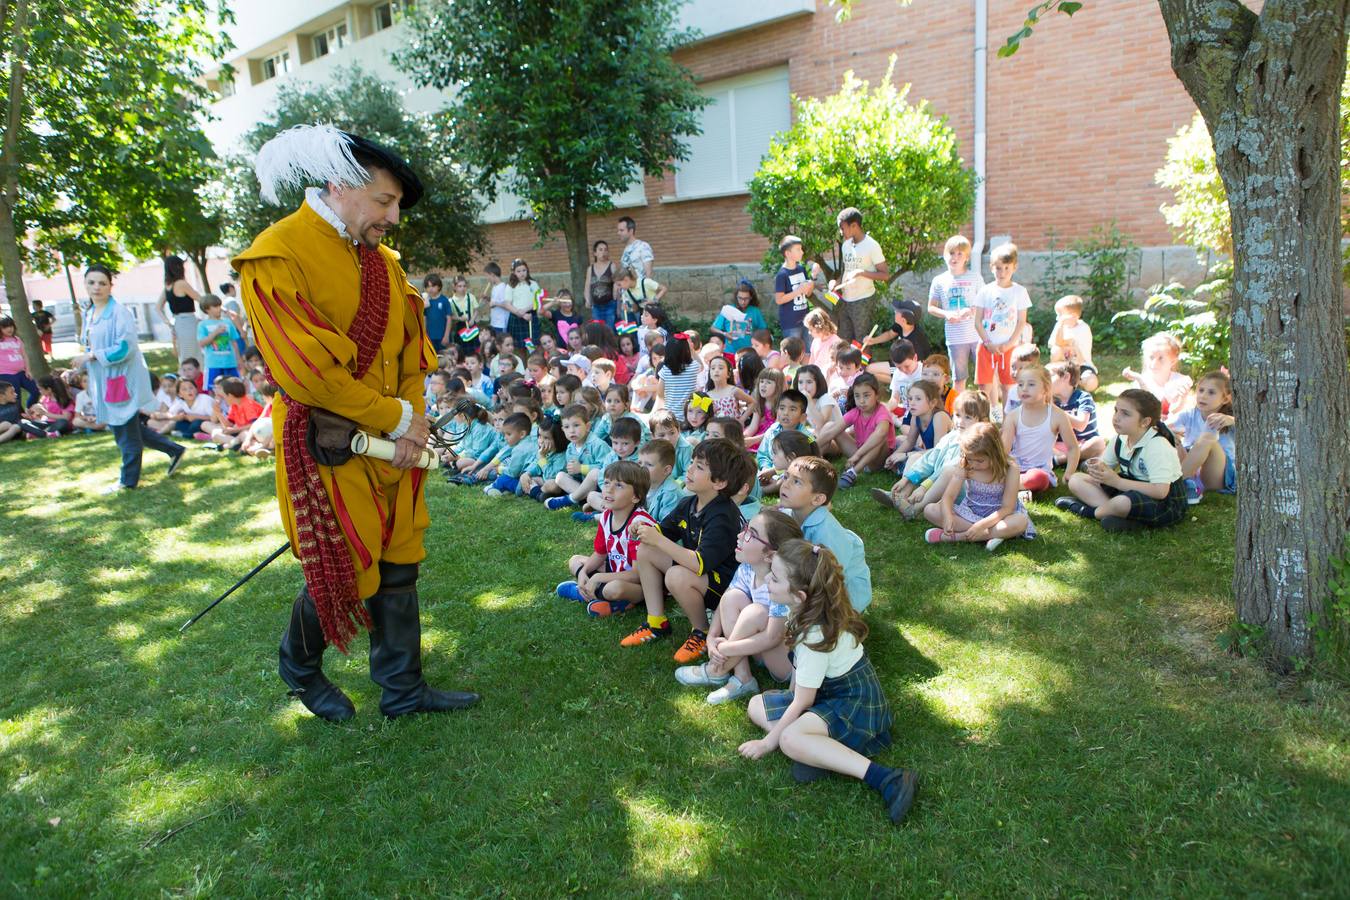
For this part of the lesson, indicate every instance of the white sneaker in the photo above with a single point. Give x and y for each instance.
(992, 544)
(492, 491)
(697, 676)
(113, 489)
(733, 690)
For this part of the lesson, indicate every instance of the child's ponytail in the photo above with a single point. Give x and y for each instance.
(815, 571)
(471, 410)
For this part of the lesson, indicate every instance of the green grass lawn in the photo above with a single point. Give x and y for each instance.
(1077, 730)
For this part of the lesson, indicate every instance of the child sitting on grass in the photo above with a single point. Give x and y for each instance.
(624, 441)
(86, 416)
(1030, 432)
(665, 426)
(584, 453)
(692, 554)
(835, 715)
(822, 412)
(1137, 482)
(747, 623)
(788, 446)
(188, 413)
(806, 492)
(768, 388)
(658, 458)
(924, 425)
(789, 417)
(55, 409)
(11, 414)
(926, 481)
(476, 434)
(616, 407)
(1206, 433)
(513, 459)
(231, 428)
(550, 459)
(873, 429)
(258, 440)
(1160, 377)
(1081, 409)
(607, 580)
(991, 510)
(489, 452)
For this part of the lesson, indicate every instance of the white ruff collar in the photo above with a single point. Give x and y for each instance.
(325, 212)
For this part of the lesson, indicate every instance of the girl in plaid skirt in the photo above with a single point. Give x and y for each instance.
(835, 715)
(1137, 482)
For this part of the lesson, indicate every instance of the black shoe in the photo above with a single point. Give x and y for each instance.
(899, 790)
(175, 463)
(300, 661)
(1077, 507)
(396, 649)
(1117, 524)
(805, 774)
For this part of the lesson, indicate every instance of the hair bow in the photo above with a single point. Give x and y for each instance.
(681, 335)
(528, 382)
(703, 402)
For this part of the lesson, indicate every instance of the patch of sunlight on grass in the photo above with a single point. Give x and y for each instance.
(666, 843)
(505, 600)
(40, 726)
(126, 632)
(131, 574)
(1017, 591)
(149, 653)
(1323, 754)
(171, 797)
(22, 598)
(988, 679)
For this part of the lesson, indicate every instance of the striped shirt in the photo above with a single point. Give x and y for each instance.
(678, 388)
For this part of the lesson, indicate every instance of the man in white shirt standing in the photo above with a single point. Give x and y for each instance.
(637, 255)
(864, 266)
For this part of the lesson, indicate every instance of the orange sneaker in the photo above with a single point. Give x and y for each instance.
(645, 635)
(694, 648)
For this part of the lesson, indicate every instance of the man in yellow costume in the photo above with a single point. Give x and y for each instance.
(341, 331)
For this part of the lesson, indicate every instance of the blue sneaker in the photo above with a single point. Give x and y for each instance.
(580, 516)
(557, 503)
(568, 590)
(1195, 491)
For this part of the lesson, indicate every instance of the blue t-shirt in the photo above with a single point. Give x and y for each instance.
(739, 332)
(1080, 402)
(793, 313)
(437, 313)
(219, 354)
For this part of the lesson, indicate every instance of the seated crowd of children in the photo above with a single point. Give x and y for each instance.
(670, 444)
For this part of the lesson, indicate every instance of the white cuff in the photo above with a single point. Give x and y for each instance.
(404, 422)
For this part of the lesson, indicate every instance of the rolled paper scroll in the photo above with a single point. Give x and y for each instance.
(379, 448)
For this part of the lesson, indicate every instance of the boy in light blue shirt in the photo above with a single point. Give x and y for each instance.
(218, 339)
(514, 458)
(791, 416)
(584, 454)
(658, 458)
(806, 491)
(665, 426)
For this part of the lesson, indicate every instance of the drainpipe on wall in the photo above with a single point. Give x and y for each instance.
(981, 61)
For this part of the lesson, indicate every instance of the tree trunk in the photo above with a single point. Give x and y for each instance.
(198, 257)
(1269, 89)
(578, 250)
(10, 258)
(74, 301)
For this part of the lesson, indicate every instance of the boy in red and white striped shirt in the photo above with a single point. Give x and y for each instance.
(607, 579)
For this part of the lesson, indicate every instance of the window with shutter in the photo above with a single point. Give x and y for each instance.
(743, 115)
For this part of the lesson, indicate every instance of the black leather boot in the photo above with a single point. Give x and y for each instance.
(301, 658)
(396, 648)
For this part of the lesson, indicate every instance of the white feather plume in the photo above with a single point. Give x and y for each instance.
(307, 156)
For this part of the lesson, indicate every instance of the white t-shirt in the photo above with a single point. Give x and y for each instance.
(498, 317)
(1001, 306)
(813, 667)
(202, 406)
(901, 383)
(864, 256)
(953, 292)
(84, 404)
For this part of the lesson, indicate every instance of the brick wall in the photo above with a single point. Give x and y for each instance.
(1077, 120)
